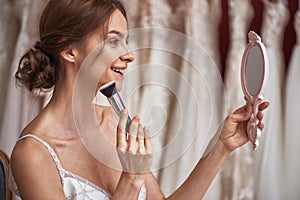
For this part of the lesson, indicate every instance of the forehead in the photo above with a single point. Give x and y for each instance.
(117, 22)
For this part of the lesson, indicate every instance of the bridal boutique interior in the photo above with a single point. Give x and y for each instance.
(221, 28)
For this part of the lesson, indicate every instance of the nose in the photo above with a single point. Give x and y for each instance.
(127, 57)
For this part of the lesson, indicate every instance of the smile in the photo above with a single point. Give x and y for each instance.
(118, 71)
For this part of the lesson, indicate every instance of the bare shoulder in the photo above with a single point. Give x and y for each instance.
(29, 152)
(34, 170)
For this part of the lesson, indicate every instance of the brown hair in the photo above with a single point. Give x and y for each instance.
(62, 23)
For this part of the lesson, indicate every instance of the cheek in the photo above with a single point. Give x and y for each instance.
(106, 77)
(103, 79)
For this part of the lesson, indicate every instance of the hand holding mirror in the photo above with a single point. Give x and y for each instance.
(254, 74)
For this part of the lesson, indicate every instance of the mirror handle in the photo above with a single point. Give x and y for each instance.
(253, 131)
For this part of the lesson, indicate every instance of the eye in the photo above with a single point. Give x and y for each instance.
(113, 42)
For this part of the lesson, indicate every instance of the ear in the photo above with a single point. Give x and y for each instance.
(69, 54)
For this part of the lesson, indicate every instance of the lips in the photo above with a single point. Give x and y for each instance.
(118, 71)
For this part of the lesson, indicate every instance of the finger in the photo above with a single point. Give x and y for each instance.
(121, 133)
(147, 140)
(242, 109)
(133, 129)
(243, 114)
(263, 106)
(261, 125)
(260, 115)
(140, 139)
(249, 110)
(123, 120)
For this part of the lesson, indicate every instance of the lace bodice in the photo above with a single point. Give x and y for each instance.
(74, 186)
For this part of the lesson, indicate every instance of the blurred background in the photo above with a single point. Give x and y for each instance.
(221, 27)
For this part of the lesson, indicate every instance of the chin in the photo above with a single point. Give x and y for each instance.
(119, 85)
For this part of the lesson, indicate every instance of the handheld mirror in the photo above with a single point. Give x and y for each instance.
(254, 74)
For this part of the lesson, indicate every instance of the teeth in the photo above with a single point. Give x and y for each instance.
(118, 70)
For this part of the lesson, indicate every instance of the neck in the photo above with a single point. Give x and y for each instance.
(60, 105)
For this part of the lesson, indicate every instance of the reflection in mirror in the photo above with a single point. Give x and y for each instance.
(254, 71)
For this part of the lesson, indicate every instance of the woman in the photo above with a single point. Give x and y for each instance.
(45, 161)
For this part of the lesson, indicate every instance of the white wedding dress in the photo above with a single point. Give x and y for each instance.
(203, 71)
(292, 116)
(8, 37)
(74, 186)
(172, 103)
(237, 171)
(268, 158)
(148, 83)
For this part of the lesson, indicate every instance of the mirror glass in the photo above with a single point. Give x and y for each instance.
(254, 71)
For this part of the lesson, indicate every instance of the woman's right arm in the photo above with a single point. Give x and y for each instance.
(35, 172)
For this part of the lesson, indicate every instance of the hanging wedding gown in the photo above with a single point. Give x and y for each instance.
(202, 24)
(268, 158)
(20, 106)
(8, 37)
(174, 104)
(150, 80)
(292, 116)
(237, 171)
(203, 71)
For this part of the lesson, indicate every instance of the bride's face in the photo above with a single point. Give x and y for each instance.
(116, 40)
(117, 37)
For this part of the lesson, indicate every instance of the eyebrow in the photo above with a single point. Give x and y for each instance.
(121, 35)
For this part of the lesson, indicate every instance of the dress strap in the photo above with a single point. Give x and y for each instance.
(52, 152)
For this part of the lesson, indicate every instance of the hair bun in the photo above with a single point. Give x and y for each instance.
(39, 46)
(35, 70)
